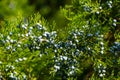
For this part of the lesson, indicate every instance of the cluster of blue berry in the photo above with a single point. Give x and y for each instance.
(115, 49)
(66, 52)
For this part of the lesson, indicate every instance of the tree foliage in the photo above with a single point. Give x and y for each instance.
(87, 48)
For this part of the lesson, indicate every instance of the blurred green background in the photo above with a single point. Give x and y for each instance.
(49, 9)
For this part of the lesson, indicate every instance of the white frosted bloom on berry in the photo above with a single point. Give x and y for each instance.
(16, 61)
(11, 75)
(11, 41)
(12, 67)
(101, 36)
(18, 45)
(100, 7)
(22, 35)
(20, 59)
(24, 26)
(24, 58)
(0, 62)
(97, 12)
(110, 2)
(31, 28)
(57, 67)
(104, 70)
(73, 67)
(9, 47)
(8, 37)
(101, 52)
(101, 75)
(114, 20)
(101, 43)
(102, 48)
(64, 57)
(71, 72)
(114, 24)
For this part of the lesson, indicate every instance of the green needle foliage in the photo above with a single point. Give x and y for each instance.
(88, 48)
